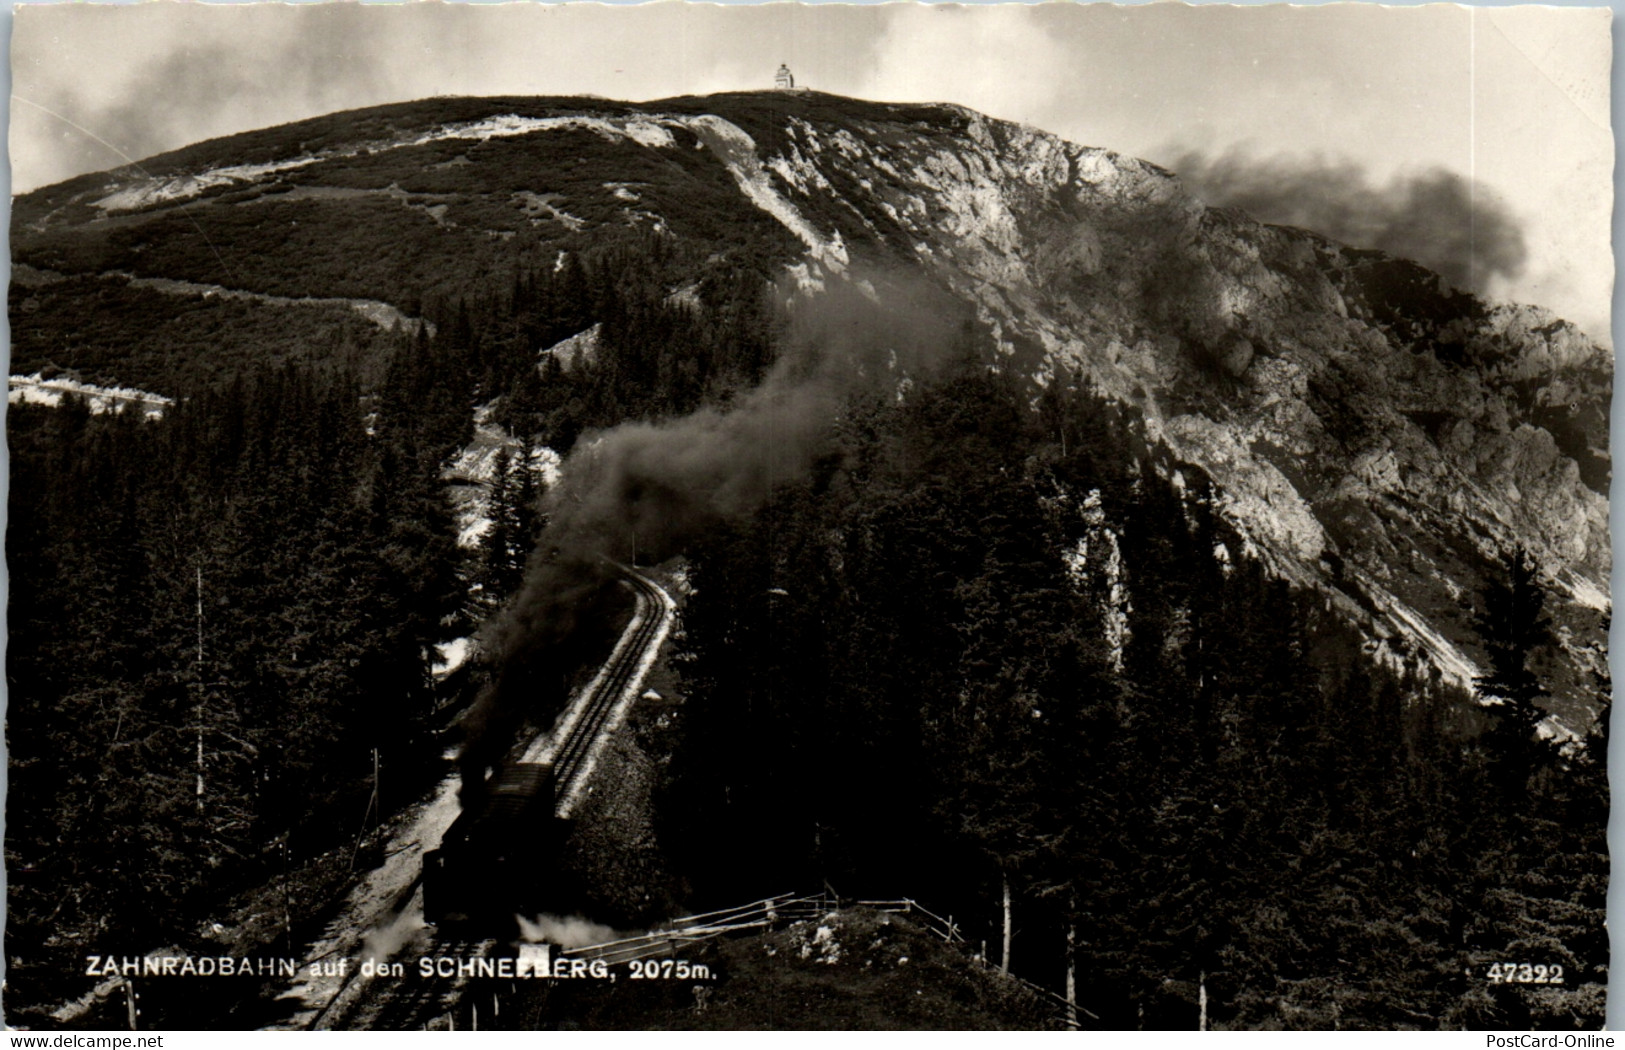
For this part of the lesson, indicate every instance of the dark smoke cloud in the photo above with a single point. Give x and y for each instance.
(1439, 219)
(662, 485)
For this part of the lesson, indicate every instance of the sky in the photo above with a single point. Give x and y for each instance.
(1513, 101)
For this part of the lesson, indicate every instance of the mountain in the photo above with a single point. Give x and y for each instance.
(1376, 435)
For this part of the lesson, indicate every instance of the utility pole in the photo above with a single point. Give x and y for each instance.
(1004, 963)
(1072, 973)
(373, 810)
(200, 687)
(287, 901)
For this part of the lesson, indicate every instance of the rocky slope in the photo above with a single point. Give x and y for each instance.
(1376, 435)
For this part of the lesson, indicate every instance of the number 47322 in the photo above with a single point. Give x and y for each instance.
(1525, 973)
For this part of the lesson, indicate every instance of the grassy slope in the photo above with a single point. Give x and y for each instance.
(403, 226)
(105, 330)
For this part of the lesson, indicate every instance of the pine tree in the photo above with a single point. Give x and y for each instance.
(1514, 625)
(499, 541)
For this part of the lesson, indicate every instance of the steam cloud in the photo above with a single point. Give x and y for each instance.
(659, 486)
(1439, 219)
(384, 941)
(571, 932)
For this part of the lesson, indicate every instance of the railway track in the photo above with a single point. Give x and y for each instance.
(413, 1001)
(570, 760)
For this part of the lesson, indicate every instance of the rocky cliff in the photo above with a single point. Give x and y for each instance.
(1377, 435)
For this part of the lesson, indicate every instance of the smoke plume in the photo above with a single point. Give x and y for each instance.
(653, 488)
(1447, 223)
(384, 941)
(571, 932)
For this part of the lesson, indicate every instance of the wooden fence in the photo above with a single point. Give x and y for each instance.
(691, 929)
(948, 930)
(768, 912)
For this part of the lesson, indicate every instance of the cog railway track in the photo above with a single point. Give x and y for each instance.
(413, 1002)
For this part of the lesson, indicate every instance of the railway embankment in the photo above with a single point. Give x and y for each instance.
(613, 865)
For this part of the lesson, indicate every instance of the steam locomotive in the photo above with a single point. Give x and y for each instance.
(492, 863)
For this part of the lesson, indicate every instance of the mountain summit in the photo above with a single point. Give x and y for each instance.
(1376, 435)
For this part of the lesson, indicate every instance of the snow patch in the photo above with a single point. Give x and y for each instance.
(688, 297)
(579, 349)
(476, 463)
(150, 191)
(1098, 556)
(37, 390)
(468, 476)
(453, 654)
(642, 131)
(647, 133)
(548, 465)
(541, 205)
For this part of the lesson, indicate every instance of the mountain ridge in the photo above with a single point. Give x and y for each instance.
(1377, 436)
